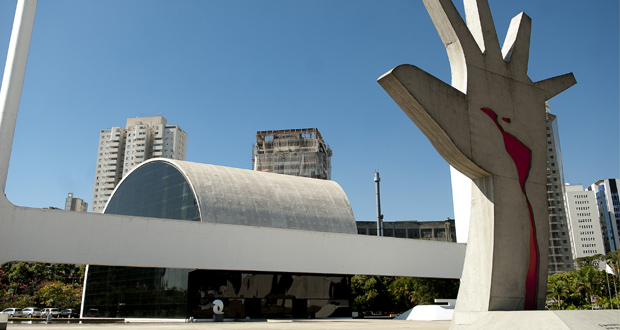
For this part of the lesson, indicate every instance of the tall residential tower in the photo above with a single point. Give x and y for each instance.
(75, 204)
(121, 149)
(608, 211)
(560, 249)
(587, 239)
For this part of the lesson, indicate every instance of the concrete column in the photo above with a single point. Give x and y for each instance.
(13, 80)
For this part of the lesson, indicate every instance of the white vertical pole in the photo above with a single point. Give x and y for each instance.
(13, 80)
(379, 215)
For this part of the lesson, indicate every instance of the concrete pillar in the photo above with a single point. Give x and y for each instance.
(13, 80)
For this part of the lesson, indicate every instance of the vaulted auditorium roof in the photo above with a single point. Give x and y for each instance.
(239, 196)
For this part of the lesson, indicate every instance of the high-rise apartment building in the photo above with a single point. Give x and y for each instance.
(75, 204)
(560, 250)
(121, 149)
(606, 192)
(583, 220)
(299, 152)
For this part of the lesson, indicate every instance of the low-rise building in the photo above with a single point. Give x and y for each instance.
(444, 231)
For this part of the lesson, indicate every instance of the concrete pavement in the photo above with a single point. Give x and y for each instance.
(342, 324)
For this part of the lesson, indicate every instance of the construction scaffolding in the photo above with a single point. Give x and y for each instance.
(300, 152)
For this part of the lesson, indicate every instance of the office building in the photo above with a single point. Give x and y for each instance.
(299, 152)
(560, 251)
(582, 211)
(185, 191)
(606, 192)
(443, 231)
(121, 149)
(75, 204)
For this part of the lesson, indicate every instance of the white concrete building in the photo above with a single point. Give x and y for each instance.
(582, 212)
(606, 192)
(121, 149)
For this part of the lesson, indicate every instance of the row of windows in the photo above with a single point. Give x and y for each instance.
(586, 233)
(589, 251)
(586, 239)
(582, 208)
(584, 220)
(585, 226)
(588, 245)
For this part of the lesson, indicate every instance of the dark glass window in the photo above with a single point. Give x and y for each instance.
(156, 190)
(413, 233)
(137, 292)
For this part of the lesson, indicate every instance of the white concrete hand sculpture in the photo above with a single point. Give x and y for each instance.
(491, 126)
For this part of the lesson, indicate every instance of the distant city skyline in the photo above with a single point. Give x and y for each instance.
(224, 70)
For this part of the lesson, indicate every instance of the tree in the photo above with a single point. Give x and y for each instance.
(423, 291)
(60, 295)
(557, 289)
(590, 282)
(593, 261)
(370, 293)
(21, 282)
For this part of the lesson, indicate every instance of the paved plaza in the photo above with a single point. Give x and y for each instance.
(344, 324)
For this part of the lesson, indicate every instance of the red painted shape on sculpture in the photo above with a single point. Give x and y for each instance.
(522, 157)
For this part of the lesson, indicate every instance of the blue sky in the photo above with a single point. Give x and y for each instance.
(223, 70)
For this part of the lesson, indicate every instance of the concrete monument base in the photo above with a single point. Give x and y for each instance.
(548, 320)
(428, 313)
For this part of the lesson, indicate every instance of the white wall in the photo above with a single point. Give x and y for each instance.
(81, 238)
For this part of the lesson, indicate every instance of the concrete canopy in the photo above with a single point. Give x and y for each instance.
(244, 197)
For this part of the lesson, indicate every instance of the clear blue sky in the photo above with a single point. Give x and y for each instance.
(223, 70)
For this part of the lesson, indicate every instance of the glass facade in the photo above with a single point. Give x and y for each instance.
(159, 190)
(136, 292)
(268, 295)
(155, 190)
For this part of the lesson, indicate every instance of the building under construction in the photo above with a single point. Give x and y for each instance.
(300, 152)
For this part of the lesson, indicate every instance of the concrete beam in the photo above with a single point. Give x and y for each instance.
(56, 236)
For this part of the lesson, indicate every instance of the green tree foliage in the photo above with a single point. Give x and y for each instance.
(398, 294)
(585, 287)
(424, 291)
(60, 295)
(370, 293)
(21, 282)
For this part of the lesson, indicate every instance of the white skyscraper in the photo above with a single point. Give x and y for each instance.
(121, 149)
(560, 250)
(583, 220)
(606, 192)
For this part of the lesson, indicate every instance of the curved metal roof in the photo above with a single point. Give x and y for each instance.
(245, 197)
